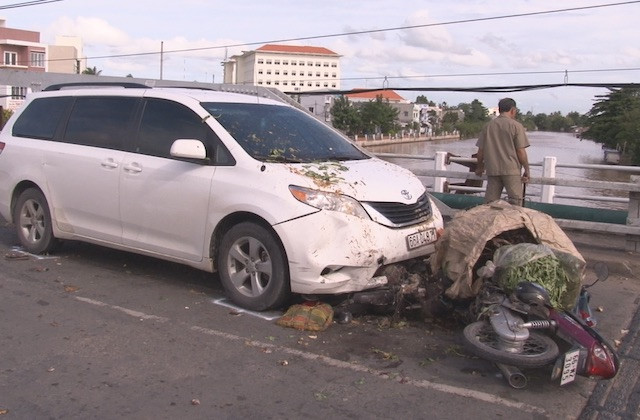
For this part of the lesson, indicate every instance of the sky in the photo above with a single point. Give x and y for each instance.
(383, 43)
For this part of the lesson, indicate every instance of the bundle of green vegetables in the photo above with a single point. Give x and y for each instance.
(546, 271)
(534, 263)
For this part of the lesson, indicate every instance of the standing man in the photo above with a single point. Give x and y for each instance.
(502, 152)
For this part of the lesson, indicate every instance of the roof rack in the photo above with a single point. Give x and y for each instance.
(126, 85)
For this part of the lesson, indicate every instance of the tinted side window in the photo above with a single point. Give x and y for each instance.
(41, 118)
(164, 122)
(100, 121)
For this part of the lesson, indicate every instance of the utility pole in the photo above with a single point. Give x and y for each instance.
(161, 57)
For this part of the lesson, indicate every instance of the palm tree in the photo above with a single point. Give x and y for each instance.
(92, 70)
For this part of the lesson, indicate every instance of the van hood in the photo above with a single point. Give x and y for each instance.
(365, 180)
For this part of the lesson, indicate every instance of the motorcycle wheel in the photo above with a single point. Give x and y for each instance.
(539, 349)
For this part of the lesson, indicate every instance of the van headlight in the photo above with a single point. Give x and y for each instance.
(329, 201)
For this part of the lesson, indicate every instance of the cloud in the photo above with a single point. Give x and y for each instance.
(93, 31)
(434, 38)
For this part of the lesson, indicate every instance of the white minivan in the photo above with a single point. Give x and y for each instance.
(253, 188)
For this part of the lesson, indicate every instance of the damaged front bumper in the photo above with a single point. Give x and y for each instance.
(345, 253)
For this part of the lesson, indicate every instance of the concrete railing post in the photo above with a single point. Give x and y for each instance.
(633, 217)
(440, 164)
(548, 171)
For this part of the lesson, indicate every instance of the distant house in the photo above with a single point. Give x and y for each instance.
(288, 68)
(408, 113)
(361, 95)
(66, 56)
(22, 50)
(320, 105)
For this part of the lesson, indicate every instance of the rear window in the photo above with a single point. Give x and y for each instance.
(41, 118)
(282, 134)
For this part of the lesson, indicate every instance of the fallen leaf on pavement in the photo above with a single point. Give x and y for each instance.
(71, 289)
(16, 255)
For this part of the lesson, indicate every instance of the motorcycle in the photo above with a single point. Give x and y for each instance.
(522, 330)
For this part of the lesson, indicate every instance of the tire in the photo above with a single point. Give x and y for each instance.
(253, 268)
(32, 219)
(539, 349)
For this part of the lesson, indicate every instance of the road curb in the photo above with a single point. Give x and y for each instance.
(619, 398)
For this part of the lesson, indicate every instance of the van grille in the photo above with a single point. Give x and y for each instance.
(404, 214)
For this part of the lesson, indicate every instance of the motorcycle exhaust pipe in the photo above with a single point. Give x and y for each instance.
(512, 374)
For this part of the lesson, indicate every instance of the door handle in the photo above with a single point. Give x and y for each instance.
(133, 168)
(109, 163)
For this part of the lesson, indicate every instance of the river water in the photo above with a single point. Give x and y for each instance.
(567, 148)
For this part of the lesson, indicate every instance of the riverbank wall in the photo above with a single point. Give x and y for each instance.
(380, 140)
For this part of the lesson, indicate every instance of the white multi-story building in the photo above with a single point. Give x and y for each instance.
(288, 68)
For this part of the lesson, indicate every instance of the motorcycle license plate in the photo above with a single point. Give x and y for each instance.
(570, 366)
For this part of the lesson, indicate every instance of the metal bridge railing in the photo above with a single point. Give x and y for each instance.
(548, 181)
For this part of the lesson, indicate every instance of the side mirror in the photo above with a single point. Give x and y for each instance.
(188, 149)
(602, 271)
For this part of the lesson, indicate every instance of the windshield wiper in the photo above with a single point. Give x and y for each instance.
(344, 158)
(279, 159)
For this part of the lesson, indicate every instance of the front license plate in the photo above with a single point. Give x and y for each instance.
(570, 366)
(422, 238)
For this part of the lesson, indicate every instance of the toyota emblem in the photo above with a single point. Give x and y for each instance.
(406, 194)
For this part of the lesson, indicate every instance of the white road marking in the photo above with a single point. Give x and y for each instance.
(447, 389)
(35, 256)
(130, 312)
(405, 380)
(269, 316)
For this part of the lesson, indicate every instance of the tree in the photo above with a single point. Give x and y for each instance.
(576, 120)
(345, 117)
(475, 117)
(92, 70)
(4, 117)
(614, 120)
(378, 116)
(449, 121)
(421, 99)
(527, 120)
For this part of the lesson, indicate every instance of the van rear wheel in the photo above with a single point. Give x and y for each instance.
(253, 267)
(32, 219)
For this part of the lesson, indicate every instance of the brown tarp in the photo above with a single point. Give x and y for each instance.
(467, 233)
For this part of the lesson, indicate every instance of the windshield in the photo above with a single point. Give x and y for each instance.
(282, 134)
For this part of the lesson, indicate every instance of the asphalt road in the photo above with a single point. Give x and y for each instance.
(96, 333)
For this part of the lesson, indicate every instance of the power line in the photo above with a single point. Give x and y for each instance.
(27, 3)
(479, 89)
(509, 73)
(453, 22)
(426, 25)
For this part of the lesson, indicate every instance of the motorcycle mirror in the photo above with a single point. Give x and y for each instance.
(602, 271)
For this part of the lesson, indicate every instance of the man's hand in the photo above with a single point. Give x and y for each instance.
(525, 177)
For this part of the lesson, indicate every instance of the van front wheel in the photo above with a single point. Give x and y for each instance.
(32, 220)
(253, 268)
